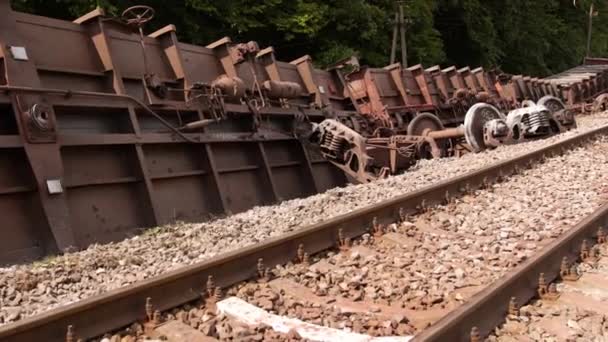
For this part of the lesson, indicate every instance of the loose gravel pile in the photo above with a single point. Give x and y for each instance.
(29, 289)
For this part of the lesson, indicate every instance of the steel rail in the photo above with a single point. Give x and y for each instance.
(489, 308)
(118, 308)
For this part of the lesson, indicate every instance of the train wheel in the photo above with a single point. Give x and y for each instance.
(475, 121)
(552, 103)
(424, 122)
(560, 116)
(600, 103)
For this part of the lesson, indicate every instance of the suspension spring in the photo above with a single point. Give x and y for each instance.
(537, 120)
(335, 144)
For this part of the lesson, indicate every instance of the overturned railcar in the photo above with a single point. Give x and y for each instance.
(104, 130)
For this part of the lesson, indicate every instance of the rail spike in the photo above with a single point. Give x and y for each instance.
(423, 207)
(343, 241)
(485, 183)
(157, 318)
(401, 215)
(377, 228)
(546, 292)
(217, 294)
(446, 198)
(263, 272)
(475, 334)
(601, 235)
(567, 271)
(301, 256)
(588, 254)
(500, 176)
(70, 335)
(149, 309)
(530, 164)
(210, 286)
(513, 307)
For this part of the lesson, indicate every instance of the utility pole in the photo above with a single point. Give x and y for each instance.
(589, 30)
(590, 26)
(399, 27)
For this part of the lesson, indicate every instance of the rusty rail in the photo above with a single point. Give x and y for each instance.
(488, 309)
(100, 314)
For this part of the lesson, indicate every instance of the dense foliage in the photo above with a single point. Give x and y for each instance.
(535, 37)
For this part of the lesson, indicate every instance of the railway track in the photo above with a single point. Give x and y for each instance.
(104, 313)
(578, 313)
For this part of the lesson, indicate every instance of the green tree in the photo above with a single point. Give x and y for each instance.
(537, 37)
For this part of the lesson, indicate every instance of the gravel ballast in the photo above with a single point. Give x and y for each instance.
(29, 289)
(453, 251)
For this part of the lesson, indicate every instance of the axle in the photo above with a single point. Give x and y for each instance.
(365, 159)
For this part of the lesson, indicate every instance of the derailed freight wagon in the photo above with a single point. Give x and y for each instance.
(105, 129)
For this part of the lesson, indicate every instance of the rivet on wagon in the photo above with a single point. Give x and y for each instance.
(149, 309)
(475, 335)
(601, 236)
(513, 307)
(568, 272)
